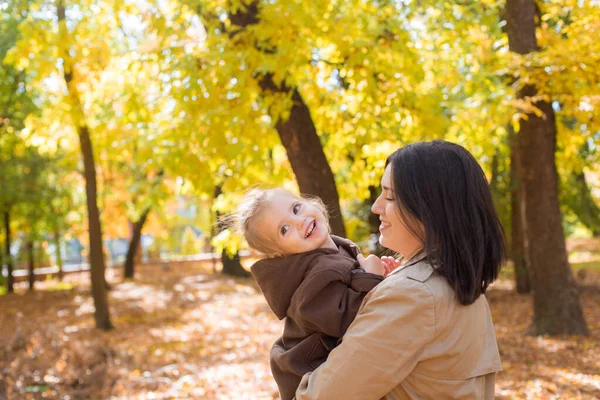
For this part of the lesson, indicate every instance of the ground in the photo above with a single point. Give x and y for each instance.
(183, 332)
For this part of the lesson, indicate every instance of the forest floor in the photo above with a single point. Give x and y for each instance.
(185, 333)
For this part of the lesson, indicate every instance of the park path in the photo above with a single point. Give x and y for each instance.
(184, 333)
(180, 333)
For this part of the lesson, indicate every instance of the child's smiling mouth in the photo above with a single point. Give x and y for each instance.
(310, 229)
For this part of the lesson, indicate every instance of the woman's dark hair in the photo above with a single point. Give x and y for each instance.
(441, 185)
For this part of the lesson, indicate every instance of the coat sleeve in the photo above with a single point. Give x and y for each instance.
(326, 303)
(382, 346)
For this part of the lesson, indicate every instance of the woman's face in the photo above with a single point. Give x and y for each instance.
(394, 233)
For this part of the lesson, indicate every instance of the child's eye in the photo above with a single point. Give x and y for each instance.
(284, 229)
(296, 208)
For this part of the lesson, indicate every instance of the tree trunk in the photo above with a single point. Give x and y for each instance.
(8, 256)
(97, 264)
(134, 244)
(299, 136)
(556, 304)
(517, 248)
(101, 314)
(59, 260)
(305, 152)
(134, 251)
(30, 264)
(214, 230)
(231, 264)
(96, 259)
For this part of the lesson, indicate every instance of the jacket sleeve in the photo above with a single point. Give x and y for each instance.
(381, 347)
(363, 281)
(327, 304)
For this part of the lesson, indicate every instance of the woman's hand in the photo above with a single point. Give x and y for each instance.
(389, 264)
(371, 264)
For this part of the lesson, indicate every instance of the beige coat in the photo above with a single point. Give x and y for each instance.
(411, 340)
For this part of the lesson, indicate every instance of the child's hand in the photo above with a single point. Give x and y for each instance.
(371, 264)
(389, 264)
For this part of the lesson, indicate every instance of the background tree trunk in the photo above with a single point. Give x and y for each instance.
(59, 260)
(134, 251)
(556, 304)
(305, 152)
(101, 313)
(517, 250)
(30, 264)
(7, 255)
(134, 244)
(231, 264)
(96, 259)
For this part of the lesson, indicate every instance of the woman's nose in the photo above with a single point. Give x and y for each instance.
(376, 208)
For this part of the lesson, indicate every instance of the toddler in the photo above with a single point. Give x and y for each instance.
(309, 277)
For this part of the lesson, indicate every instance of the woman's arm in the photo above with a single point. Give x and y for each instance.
(381, 347)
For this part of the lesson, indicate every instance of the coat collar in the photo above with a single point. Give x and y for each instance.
(418, 269)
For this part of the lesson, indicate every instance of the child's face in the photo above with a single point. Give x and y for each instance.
(295, 225)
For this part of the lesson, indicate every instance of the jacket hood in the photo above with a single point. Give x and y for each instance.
(279, 277)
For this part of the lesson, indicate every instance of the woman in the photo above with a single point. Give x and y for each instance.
(426, 331)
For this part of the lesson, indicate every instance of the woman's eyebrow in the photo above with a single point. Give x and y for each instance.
(385, 187)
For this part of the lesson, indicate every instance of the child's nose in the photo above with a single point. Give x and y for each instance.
(300, 220)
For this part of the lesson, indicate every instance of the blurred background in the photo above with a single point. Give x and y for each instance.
(128, 130)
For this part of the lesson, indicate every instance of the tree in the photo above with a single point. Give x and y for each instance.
(230, 260)
(64, 56)
(7, 257)
(557, 308)
(256, 84)
(101, 311)
(8, 200)
(15, 105)
(136, 231)
(296, 128)
(517, 240)
(134, 244)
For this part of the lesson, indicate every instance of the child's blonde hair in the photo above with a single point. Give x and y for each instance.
(249, 211)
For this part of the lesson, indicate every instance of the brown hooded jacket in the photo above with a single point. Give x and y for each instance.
(318, 293)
